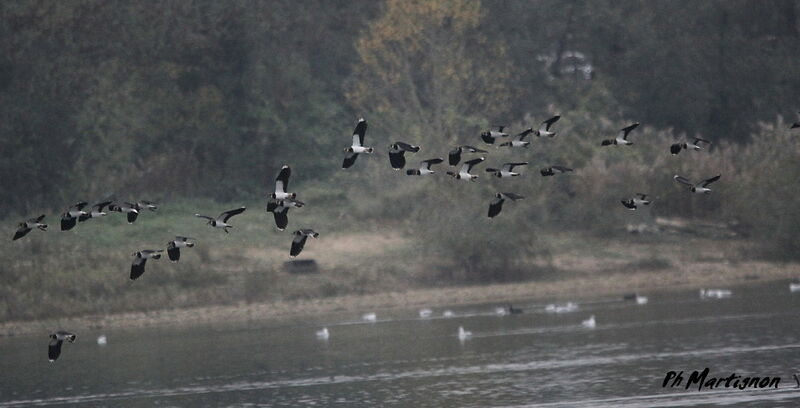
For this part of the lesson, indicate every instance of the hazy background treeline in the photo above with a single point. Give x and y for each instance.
(196, 104)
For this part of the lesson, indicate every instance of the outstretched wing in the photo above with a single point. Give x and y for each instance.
(359, 132)
(407, 147)
(426, 164)
(54, 349)
(282, 181)
(230, 213)
(397, 160)
(495, 206)
(522, 135)
(549, 122)
(349, 160)
(683, 180)
(298, 243)
(137, 267)
(513, 196)
(473, 149)
(624, 131)
(711, 180)
(79, 206)
(510, 166)
(204, 216)
(561, 168)
(467, 167)
(454, 156)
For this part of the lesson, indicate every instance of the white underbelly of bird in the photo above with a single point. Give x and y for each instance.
(360, 149)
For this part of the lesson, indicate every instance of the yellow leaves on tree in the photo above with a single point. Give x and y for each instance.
(428, 65)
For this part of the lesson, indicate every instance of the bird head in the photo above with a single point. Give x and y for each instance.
(273, 196)
(485, 134)
(349, 149)
(22, 225)
(293, 195)
(452, 174)
(370, 150)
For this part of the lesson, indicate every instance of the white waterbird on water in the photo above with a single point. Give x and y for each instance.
(794, 287)
(425, 313)
(590, 323)
(102, 340)
(715, 293)
(564, 308)
(369, 317)
(463, 334)
(323, 334)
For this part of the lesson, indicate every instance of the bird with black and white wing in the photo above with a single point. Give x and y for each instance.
(634, 202)
(174, 247)
(544, 128)
(129, 209)
(56, 340)
(282, 185)
(496, 132)
(497, 204)
(699, 188)
(280, 211)
(299, 240)
(507, 170)
(622, 137)
(96, 212)
(553, 170)
(424, 167)
(222, 220)
(140, 259)
(397, 154)
(454, 157)
(70, 217)
(464, 172)
(693, 145)
(358, 144)
(28, 225)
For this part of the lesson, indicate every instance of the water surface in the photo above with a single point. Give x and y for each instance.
(536, 359)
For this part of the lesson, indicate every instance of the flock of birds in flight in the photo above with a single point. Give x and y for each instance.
(281, 200)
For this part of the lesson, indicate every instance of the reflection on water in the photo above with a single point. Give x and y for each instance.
(536, 359)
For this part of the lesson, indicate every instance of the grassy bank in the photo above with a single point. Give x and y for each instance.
(60, 275)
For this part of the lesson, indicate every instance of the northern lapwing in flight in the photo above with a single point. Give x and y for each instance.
(424, 167)
(70, 217)
(299, 240)
(358, 144)
(282, 185)
(622, 137)
(96, 212)
(56, 340)
(454, 157)
(519, 139)
(495, 133)
(701, 187)
(140, 259)
(222, 220)
(497, 204)
(544, 128)
(28, 225)
(174, 247)
(397, 154)
(130, 210)
(635, 202)
(463, 173)
(694, 145)
(553, 170)
(507, 170)
(280, 211)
